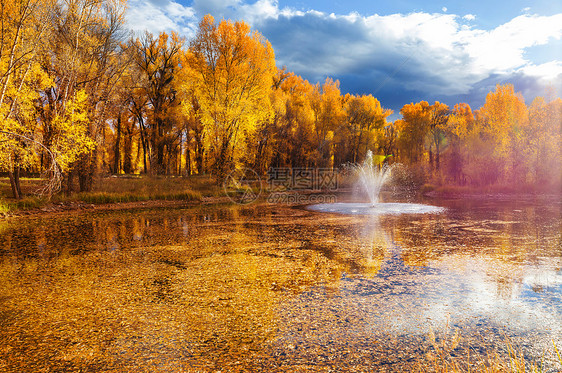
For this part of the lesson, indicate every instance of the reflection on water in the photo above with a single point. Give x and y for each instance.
(277, 288)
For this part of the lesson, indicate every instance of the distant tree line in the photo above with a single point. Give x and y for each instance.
(80, 97)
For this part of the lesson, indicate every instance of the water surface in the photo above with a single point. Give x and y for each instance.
(275, 288)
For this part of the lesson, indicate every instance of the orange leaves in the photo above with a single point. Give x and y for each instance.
(231, 73)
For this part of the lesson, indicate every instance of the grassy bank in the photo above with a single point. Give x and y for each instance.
(113, 189)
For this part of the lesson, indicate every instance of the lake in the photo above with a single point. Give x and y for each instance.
(280, 288)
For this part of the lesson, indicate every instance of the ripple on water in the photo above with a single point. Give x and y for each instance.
(394, 208)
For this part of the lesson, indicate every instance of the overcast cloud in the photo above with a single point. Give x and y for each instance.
(399, 58)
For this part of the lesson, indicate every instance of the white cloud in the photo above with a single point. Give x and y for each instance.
(469, 17)
(161, 15)
(501, 50)
(444, 9)
(548, 71)
(259, 10)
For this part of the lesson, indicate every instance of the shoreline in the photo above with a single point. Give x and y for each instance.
(65, 207)
(58, 208)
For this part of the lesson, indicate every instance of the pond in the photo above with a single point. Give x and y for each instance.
(279, 288)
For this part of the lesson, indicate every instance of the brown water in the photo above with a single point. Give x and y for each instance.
(275, 288)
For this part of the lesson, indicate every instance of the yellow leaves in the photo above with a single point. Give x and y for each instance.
(70, 131)
(460, 121)
(231, 73)
(21, 78)
(503, 111)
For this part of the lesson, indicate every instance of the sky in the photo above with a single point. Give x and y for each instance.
(400, 51)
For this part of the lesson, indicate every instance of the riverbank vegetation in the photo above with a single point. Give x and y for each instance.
(112, 189)
(81, 97)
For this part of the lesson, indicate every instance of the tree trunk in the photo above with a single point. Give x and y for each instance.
(17, 180)
(69, 181)
(437, 156)
(160, 169)
(187, 161)
(87, 170)
(117, 148)
(178, 154)
(144, 145)
(14, 184)
(199, 155)
(430, 157)
(128, 150)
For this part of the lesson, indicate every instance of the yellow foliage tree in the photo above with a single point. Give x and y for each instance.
(544, 137)
(231, 69)
(327, 106)
(413, 129)
(503, 119)
(438, 117)
(364, 116)
(83, 52)
(459, 129)
(293, 122)
(70, 137)
(158, 60)
(21, 79)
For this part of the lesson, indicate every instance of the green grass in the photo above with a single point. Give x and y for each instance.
(5, 207)
(106, 197)
(113, 190)
(26, 203)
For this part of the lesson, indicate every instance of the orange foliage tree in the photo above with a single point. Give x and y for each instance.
(231, 70)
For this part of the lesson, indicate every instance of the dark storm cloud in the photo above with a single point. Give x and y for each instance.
(396, 69)
(316, 46)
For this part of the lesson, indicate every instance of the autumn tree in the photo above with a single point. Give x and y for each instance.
(22, 29)
(292, 125)
(437, 122)
(327, 106)
(459, 130)
(503, 119)
(413, 130)
(158, 59)
(272, 140)
(231, 69)
(544, 137)
(84, 53)
(364, 117)
(386, 139)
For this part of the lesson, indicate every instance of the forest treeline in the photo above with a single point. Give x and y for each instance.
(80, 96)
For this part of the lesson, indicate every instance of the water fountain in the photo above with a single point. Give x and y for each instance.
(372, 177)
